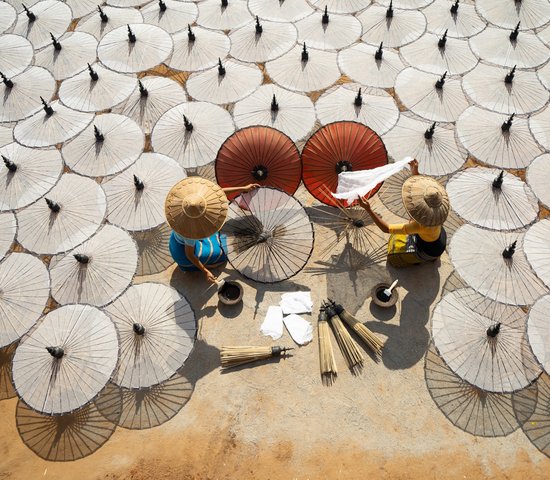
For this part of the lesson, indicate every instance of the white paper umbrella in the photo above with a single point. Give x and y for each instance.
(223, 14)
(226, 83)
(433, 145)
(544, 75)
(70, 214)
(157, 329)
(134, 47)
(371, 106)
(459, 19)
(43, 18)
(27, 174)
(492, 264)
(372, 66)
(484, 342)
(20, 95)
(537, 249)
(66, 360)
(98, 271)
(291, 113)
(126, 3)
(544, 35)
(8, 228)
(304, 70)
(538, 177)
(136, 196)
(540, 127)
(153, 249)
(531, 13)
(286, 11)
(538, 331)
(17, 53)
(192, 133)
(341, 6)
(83, 7)
(492, 198)
(6, 135)
(68, 55)
(405, 4)
(392, 27)
(262, 41)
(18, 4)
(103, 21)
(329, 31)
(25, 286)
(496, 139)
(171, 15)
(8, 16)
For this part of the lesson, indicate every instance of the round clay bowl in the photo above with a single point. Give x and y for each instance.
(230, 293)
(378, 296)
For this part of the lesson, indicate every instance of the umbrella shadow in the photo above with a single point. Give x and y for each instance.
(6, 363)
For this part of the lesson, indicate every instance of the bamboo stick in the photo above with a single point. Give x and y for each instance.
(239, 355)
(326, 353)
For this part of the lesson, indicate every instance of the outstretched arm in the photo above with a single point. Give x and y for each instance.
(190, 253)
(414, 166)
(381, 224)
(246, 188)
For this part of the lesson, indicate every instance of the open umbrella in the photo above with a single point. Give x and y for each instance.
(335, 148)
(96, 272)
(153, 249)
(223, 14)
(290, 112)
(17, 53)
(70, 214)
(8, 16)
(492, 198)
(459, 19)
(484, 342)
(280, 11)
(260, 155)
(501, 140)
(340, 6)
(107, 146)
(538, 331)
(6, 361)
(537, 247)
(170, 15)
(6, 135)
(544, 75)
(328, 31)
(531, 13)
(106, 19)
(406, 4)
(8, 228)
(540, 127)
(156, 326)
(25, 286)
(544, 35)
(81, 8)
(66, 360)
(495, 265)
(136, 196)
(269, 235)
(192, 133)
(127, 3)
(538, 178)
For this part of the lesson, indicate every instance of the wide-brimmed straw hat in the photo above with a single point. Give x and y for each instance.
(196, 208)
(426, 200)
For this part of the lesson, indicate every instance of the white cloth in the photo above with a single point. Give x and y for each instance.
(296, 302)
(300, 330)
(352, 185)
(273, 323)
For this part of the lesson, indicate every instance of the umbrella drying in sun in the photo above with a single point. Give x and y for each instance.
(531, 13)
(223, 14)
(340, 6)
(170, 15)
(540, 127)
(8, 228)
(106, 19)
(538, 177)
(153, 249)
(81, 8)
(8, 16)
(17, 53)
(538, 331)
(459, 19)
(280, 11)
(537, 247)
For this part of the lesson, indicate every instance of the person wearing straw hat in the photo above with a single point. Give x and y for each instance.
(423, 238)
(196, 209)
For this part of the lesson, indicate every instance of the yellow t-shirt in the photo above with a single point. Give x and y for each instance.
(428, 234)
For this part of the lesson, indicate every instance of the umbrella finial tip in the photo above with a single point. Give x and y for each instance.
(162, 6)
(56, 352)
(454, 8)
(138, 329)
(429, 133)
(12, 167)
(102, 15)
(509, 251)
(389, 11)
(258, 26)
(190, 34)
(325, 19)
(358, 99)
(274, 104)
(131, 36)
(187, 123)
(221, 68)
(379, 52)
(305, 53)
(138, 183)
(497, 182)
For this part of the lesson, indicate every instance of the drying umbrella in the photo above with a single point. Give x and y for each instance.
(372, 66)
(492, 198)
(27, 174)
(6, 135)
(531, 13)
(134, 47)
(81, 8)
(285, 11)
(127, 3)
(484, 342)
(505, 90)
(153, 250)
(8, 16)
(70, 214)
(223, 14)
(68, 55)
(269, 235)
(290, 112)
(540, 126)
(17, 53)
(537, 247)
(136, 196)
(544, 35)
(496, 139)
(459, 19)
(106, 19)
(335, 148)
(6, 382)
(538, 178)
(8, 228)
(66, 360)
(538, 331)
(544, 75)
(25, 286)
(262, 41)
(225, 83)
(304, 70)
(157, 327)
(170, 15)
(406, 4)
(495, 265)
(340, 6)
(259, 155)
(107, 146)
(192, 133)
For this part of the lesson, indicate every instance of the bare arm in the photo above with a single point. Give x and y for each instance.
(246, 188)
(190, 253)
(381, 224)
(414, 167)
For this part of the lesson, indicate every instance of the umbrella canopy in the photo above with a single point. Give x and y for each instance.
(260, 155)
(157, 330)
(81, 8)
(501, 140)
(460, 20)
(504, 90)
(17, 53)
(98, 271)
(492, 198)
(66, 360)
(192, 133)
(225, 83)
(8, 16)
(372, 66)
(544, 35)
(8, 228)
(406, 4)
(25, 286)
(540, 127)
(68, 55)
(290, 112)
(538, 178)
(6, 135)
(531, 13)
(103, 21)
(27, 175)
(127, 3)
(329, 31)
(340, 6)
(537, 247)
(484, 342)
(70, 214)
(494, 264)
(6, 382)
(269, 235)
(538, 331)
(350, 101)
(262, 41)
(223, 15)
(170, 15)
(107, 146)
(134, 47)
(153, 249)
(544, 75)
(197, 49)
(136, 196)
(304, 70)
(280, 11)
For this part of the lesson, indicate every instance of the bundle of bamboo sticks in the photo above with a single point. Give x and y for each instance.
(235, 356)
(327, 362)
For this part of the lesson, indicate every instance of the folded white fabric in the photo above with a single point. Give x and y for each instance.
(300, 330)
(273, 323)
(296, 302)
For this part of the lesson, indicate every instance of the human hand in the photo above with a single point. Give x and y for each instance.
(364, 203)
(209, 276)
(414, 166)
(251, 186)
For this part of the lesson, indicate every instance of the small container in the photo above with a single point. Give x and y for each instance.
(230, 293)
(379, 297)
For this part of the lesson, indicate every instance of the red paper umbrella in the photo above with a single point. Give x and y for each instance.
(335, 148)
(261, 155)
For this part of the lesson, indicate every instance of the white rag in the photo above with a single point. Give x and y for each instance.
(300, 330)
(273, 323)
(296, 302)
(352, 185)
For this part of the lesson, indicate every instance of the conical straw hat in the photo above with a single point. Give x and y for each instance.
(196, 207)
(426, 200)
